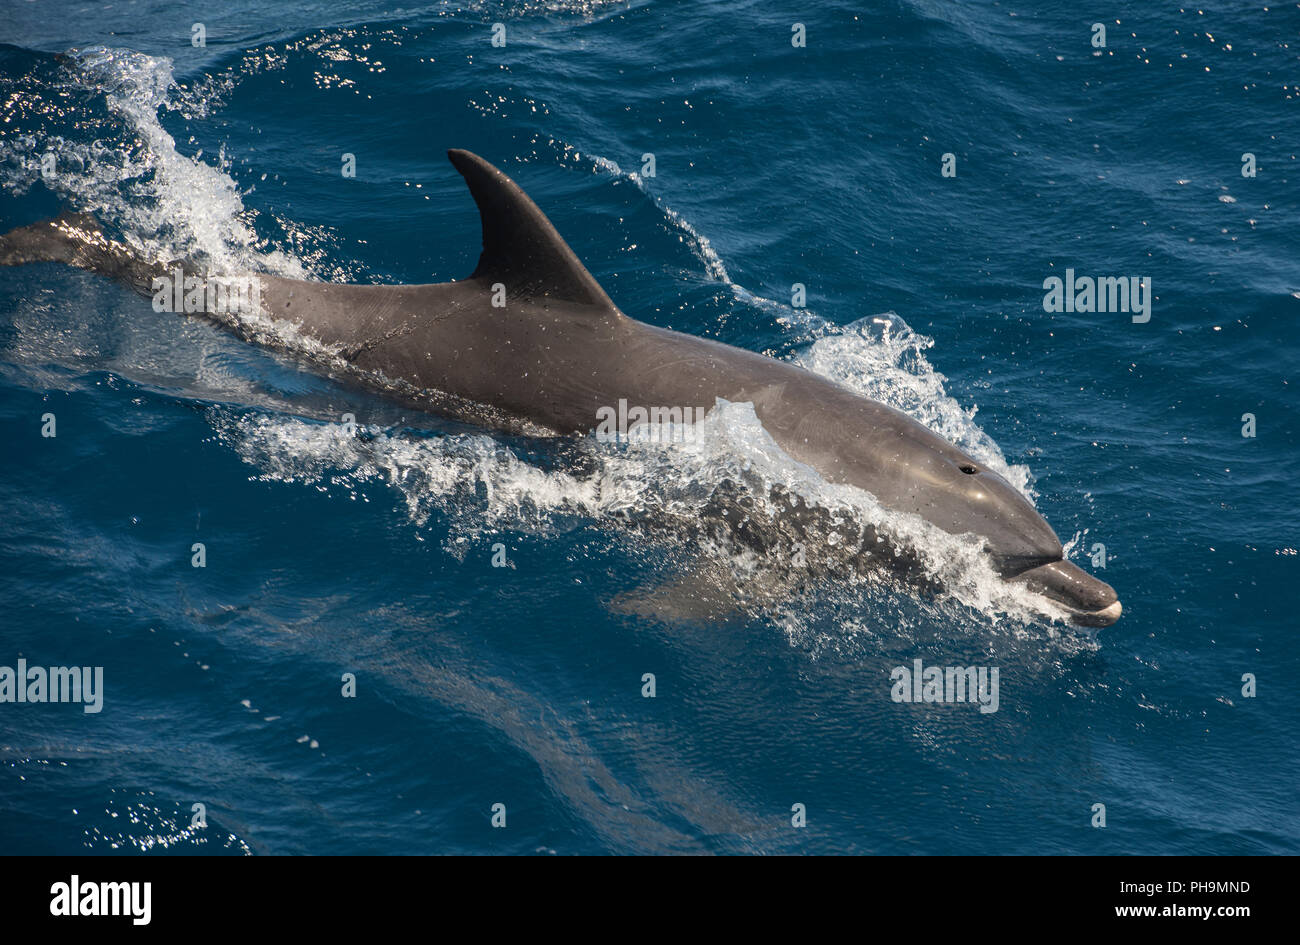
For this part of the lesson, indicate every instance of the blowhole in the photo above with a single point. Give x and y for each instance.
(968, 469)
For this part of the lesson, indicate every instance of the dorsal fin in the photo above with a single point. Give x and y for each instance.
(521, 249)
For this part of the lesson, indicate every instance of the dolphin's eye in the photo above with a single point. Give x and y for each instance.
(968, 469)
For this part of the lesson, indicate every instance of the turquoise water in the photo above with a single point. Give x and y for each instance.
(329, 554)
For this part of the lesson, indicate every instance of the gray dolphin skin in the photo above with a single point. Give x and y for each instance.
(559, 350)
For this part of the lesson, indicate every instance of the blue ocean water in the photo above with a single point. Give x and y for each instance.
(331, 554)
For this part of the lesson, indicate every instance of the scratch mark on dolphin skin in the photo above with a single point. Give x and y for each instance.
(365, 347)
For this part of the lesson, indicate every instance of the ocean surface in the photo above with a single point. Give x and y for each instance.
(370, 551)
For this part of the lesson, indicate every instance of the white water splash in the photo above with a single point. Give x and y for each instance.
(168, 205)
(480, 486)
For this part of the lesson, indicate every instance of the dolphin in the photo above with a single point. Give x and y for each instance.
(530, 339)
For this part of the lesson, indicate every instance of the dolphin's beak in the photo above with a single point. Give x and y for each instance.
(1092, 603)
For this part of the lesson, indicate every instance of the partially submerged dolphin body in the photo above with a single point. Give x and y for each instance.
(558, 351)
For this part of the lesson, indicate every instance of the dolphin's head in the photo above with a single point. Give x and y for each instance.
(961, 496)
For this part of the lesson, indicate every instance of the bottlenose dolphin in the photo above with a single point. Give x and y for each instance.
(531, 335)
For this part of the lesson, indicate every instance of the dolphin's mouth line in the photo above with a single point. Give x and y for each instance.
(1099, 618)
(1090, 601)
